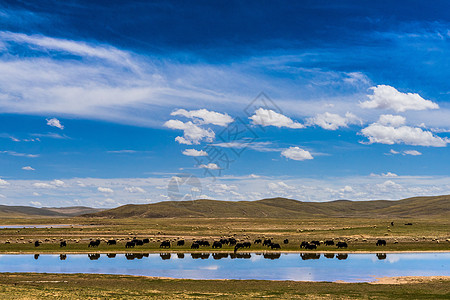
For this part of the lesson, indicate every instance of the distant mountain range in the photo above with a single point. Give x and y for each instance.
(434, 206)
(28, 211)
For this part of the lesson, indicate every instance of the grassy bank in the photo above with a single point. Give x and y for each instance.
(78, 286)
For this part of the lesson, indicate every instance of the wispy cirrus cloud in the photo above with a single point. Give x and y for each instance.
(13, 153)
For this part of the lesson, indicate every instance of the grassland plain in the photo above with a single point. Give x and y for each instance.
(429, 234)
(90, 286)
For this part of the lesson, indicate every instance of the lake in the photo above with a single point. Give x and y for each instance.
(266, 266)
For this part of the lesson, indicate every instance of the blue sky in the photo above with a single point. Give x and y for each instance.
(107, 105)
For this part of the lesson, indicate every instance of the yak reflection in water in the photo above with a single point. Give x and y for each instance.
(222, 255)
(342, 256)
(200, 255)
(164, 256)
(381, 256)
(306, 256)
(131, 256)
(95, 256)
(272, 255)
(219, 255)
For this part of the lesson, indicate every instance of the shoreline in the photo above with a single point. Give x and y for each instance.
(218, 251)
(386, 280)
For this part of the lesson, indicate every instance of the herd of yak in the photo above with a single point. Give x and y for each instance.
(196, 244)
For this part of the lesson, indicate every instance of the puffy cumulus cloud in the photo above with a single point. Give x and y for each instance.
(4, 182)
(192, 134)
(222, 188)
(105, 190)
(43, 185)
(390, 130)
(412, 152)
(389, 174)
(28, 168)
(391, 120)
(254, 176)
(36, 203)
(268, 117)
(296, 153)
(210, 166)
(331, 121)
(55, 123)
(387, 97)
(204, 116)
(193, 152)
(280, 185)
(57, 182)
(389, 185)
(134, 189)
(346, 189)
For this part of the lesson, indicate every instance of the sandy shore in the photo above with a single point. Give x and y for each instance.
(409, 279)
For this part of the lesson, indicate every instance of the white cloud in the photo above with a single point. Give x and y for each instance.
(105, 190)
(18, 154)
(389, 174)
(391, 120)
(192, 134)
(134, 189)
(36, 194)
(4, 182)
(296, 153)
(388, 185)
(267, 117)
(387, 97)
(347, 189)
(387, 130)
(2, 196)
(73, 47)
(333, 121)
(193, 152)
(28, 168)
(406, 152)
(204, 116)
(57, 182)
(257, 146)
(392, 151)
(412, 152)
(125, 151)
(284, 185)
(210, 166)
(43, 185)
(36, 203)
(55, 123)
(254, 176)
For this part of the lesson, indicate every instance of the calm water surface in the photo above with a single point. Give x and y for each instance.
(281, 266)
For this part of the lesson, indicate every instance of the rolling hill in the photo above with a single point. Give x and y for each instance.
(283, 208)
(28, 211)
